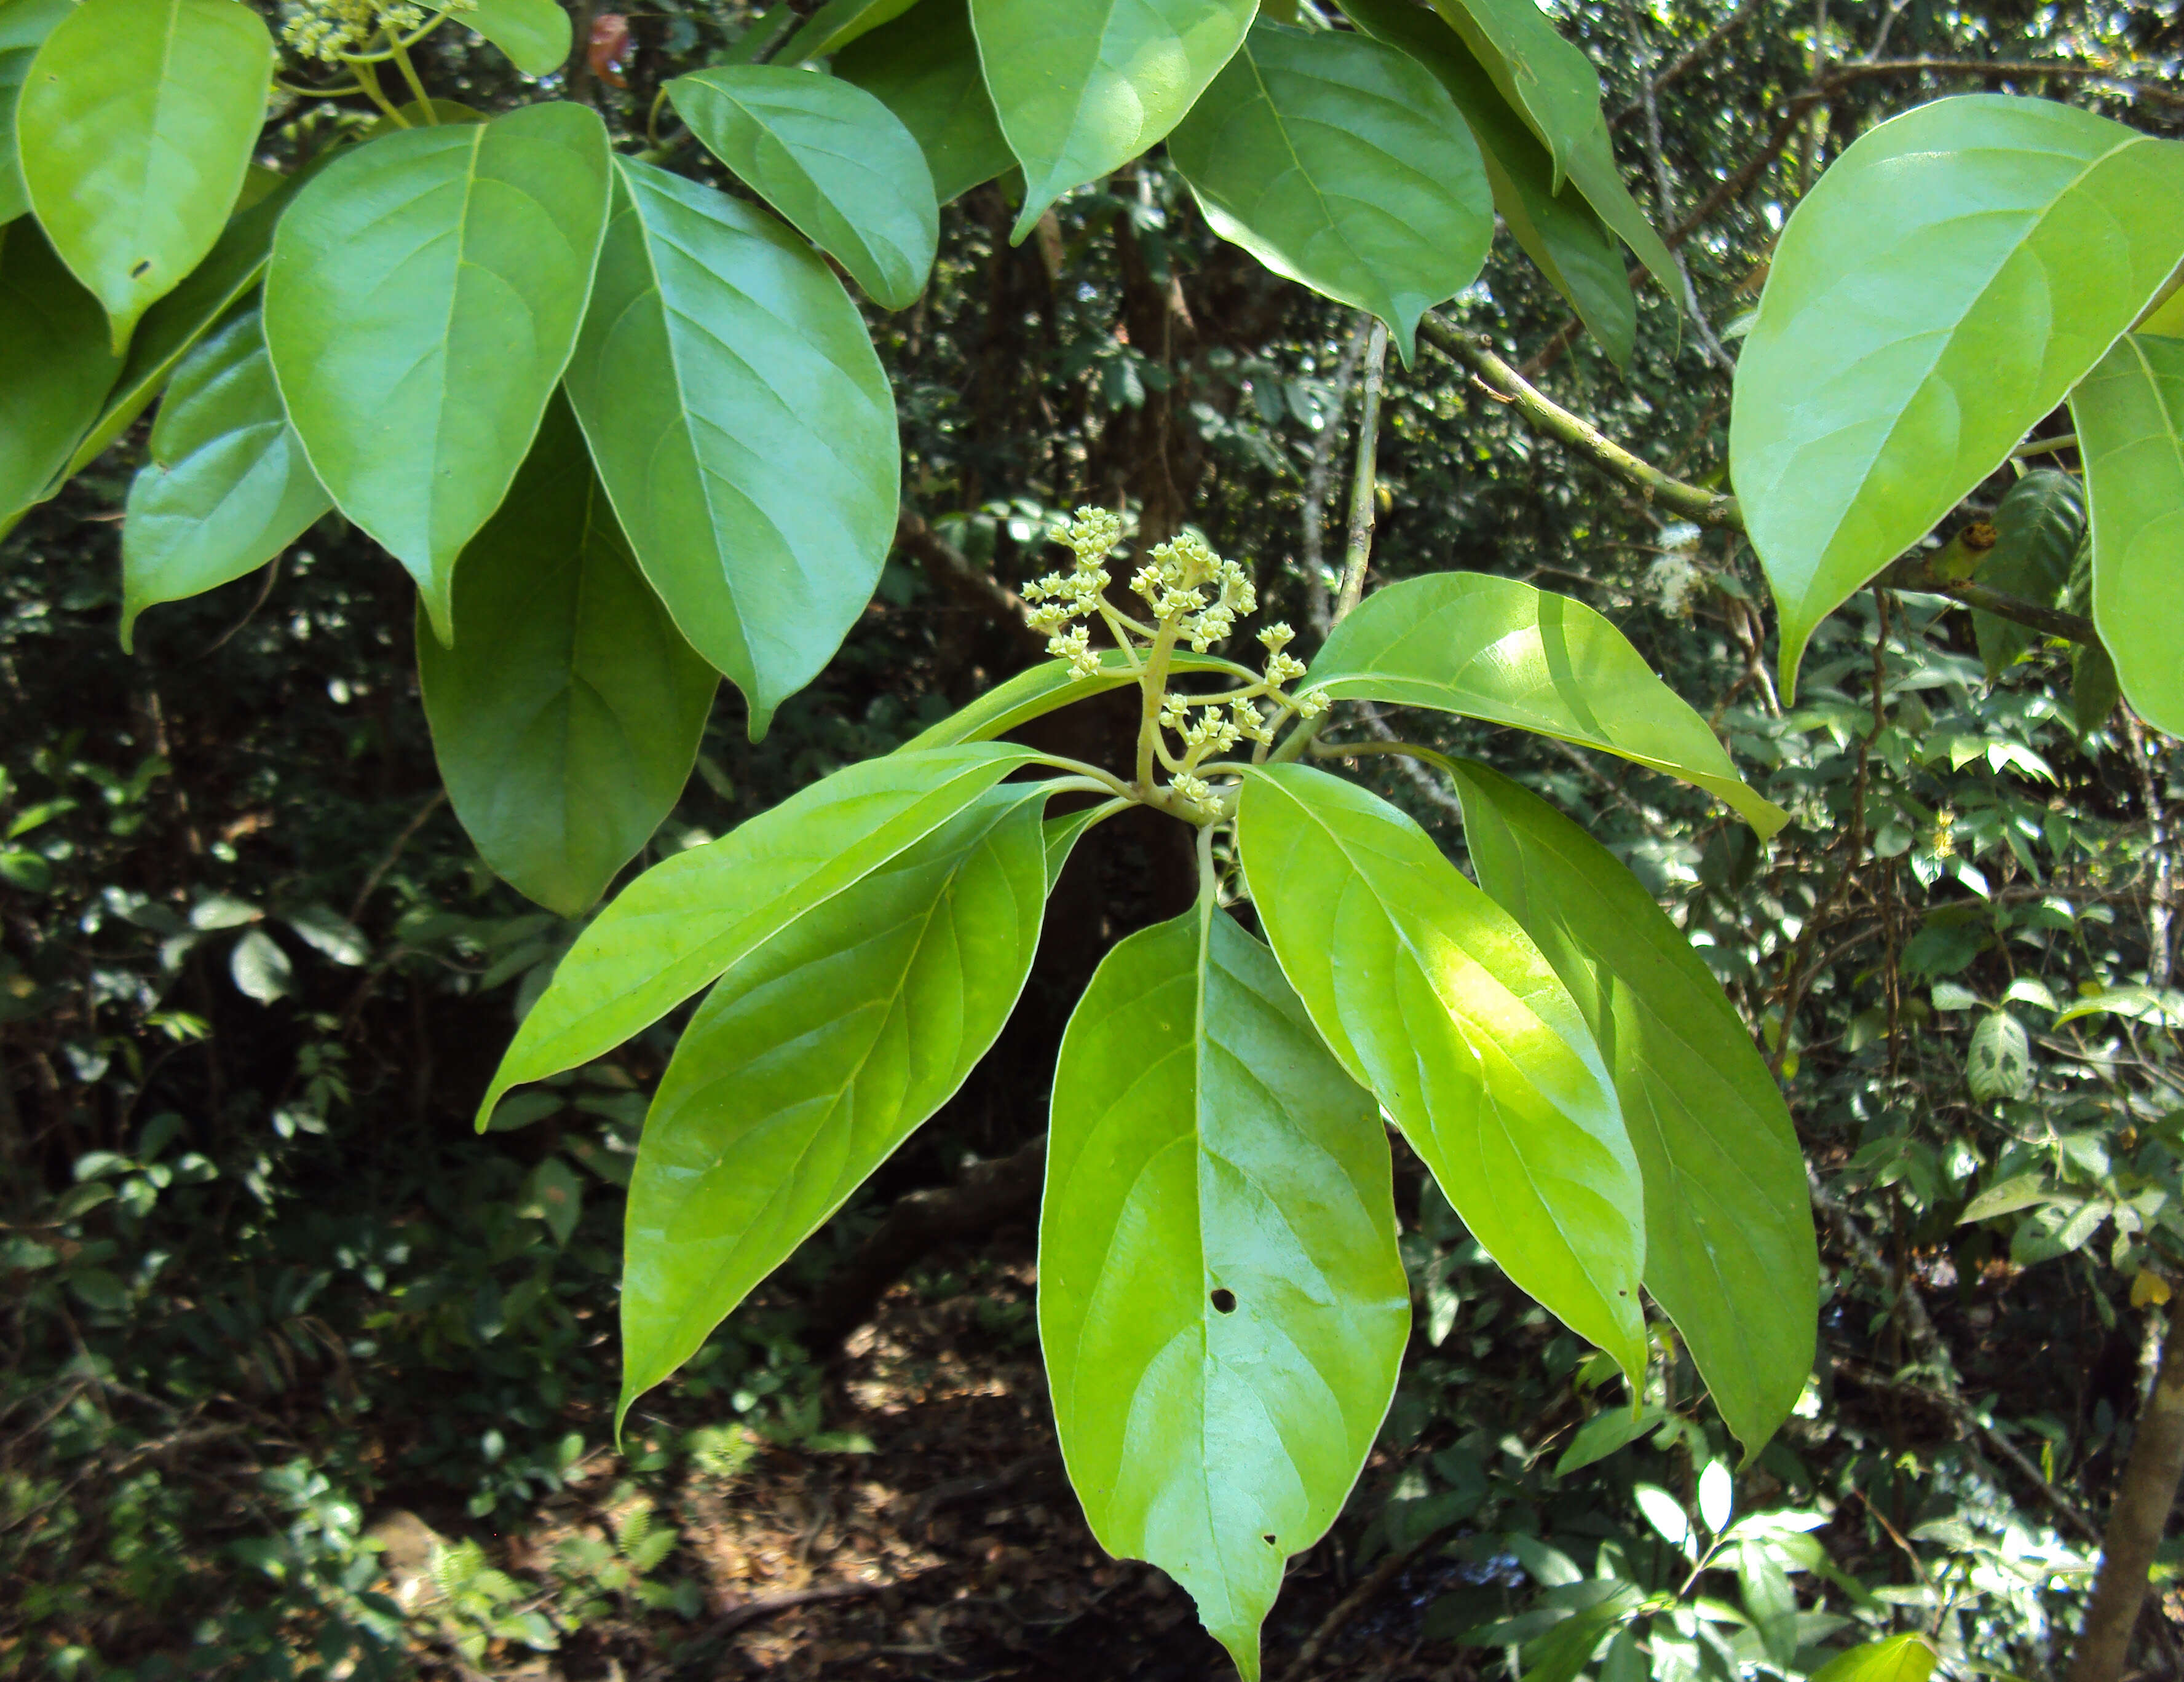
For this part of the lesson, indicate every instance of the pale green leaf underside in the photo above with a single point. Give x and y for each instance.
(1345, 165)
(134, 128)
(1221, 1304)
(1432, 996)
(1497, 650)
(1040, 689)
(535, 34)
(60, 363)
(1902, 1658)
(1082, 87)
(2130, 415)
(829, 157)
(227, 487)
(567, 716)
(924, 67)
(812, 1059)
(1946, 281)
(423, 298)
(1729, 1249)
(742, 426)
(684, 922)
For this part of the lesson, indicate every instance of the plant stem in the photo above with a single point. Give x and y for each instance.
(1317, 604)
(2046, 445)
(1153, 683)
(368, 79)
(1364, 485)
(416, 86)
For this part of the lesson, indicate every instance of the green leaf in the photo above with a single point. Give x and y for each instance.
(2140, 1004)
(423, 298)
(1062, 835)
(1043, 688)
(1933, 295)
(2022, 1192)
(535, 34)
(24, 23)
(259, 968)
(1562, 233)
(1902, 1658)
(1730, 1249)
(1221, 1303)
(227, 487)
(924, 67)
(1495, 648)
(1999, 1061)
(60, 363)
(1343, 164)
(829, 157)
(743, 427)
(2038, 525)
(567, 716)
(1082, 87)
(1431, 995)
(135, 126)
(1606, 1431)
(1768, 1599)
(2095, 688)
(2130, 415)
(837, 24)
(684, 922)
(812, 1059)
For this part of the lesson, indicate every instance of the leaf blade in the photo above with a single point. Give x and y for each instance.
(62, 363)
(924, 67)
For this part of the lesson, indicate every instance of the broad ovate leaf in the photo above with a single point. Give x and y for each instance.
(812, 1059)
(567, 716)
(1901, 1659)
(743, 427)
(1498, 650)
(1947, 281)
(829, 157)
(1560, 232)
(227, 487)
(1082, 87)
(535, 34)
(24, 24)
(2130, 415)
(1432, 996)
(60, 363)
(1221, 1303)
(423, 298)
(1729, 1249)
(1345, 165)
(134, 127)
(684, 923)
(924, 67)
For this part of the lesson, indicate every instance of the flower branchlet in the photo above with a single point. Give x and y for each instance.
(336, 31)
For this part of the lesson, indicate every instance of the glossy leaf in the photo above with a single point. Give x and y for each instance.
(1082, 87)
(1343, 164)
(1954, 272)
(2038, 525)
(1432, 996)
(684, 922)
(743, 428)
(829, 157)
(812, 1059)
(423, 298)
(1495, 648)
(1729, 1249)
(60, 364)
(567, 716)
(924, 67)
(535, 34)
(2130, 416)
(1560, 232)
(837, 24)
(1221, 1304)
(227, 487)
(1045, 688)
(134, 125)
(1901, 1659)
(24, 23)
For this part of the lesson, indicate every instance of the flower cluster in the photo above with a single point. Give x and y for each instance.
(1174, 584)
(1062, 597)
(330, 30)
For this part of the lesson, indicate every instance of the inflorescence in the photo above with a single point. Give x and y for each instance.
(334, 30)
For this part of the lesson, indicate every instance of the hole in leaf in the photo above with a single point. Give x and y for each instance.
(1225, 1301)
(142, 269)
(1269, 1539)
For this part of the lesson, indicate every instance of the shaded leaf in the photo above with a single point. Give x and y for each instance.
(837, 24)
(924, 67)
(60, 363)
(1998, 1063)
(24, 23)
(2038, 525)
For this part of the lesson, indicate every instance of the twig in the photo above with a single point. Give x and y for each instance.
(387, 860)
(1691, 56)
(1364, 485)
(265, 589)
(949, 567)
(1664, 192)
(1348, 1607)
(1317, 481)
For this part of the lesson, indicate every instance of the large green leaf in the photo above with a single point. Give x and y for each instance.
(535, 34)
(227, 487)
(2130, 415)
(1559, 232)
(1956, 272)
(1221, 1304)
(924, 67)
(1345, 165)
(1730, 1251)
(1082, 87)
(684, 922)
(743, 427)
(1498, 650)
(1431, 995)
(1043, 688)
(567, 714)
(813, 1059)
(60, 364)
(837, 25)
(1901, 1659)
(424, 296)
(832, 158)
(135, 126)
(24, 23)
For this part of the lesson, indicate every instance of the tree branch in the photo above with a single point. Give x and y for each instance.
(949, 567)
(1691, 56)
(1364, 485)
